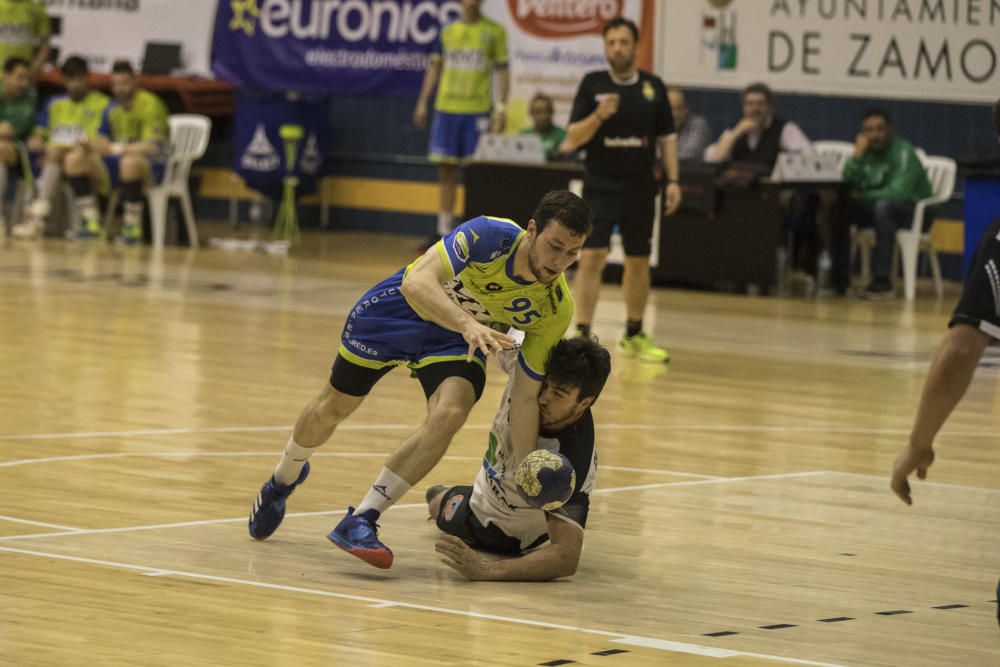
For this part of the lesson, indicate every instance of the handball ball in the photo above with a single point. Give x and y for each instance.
(545, 479)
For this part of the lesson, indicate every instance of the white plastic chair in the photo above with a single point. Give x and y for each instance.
(188, 140)
(909, 242)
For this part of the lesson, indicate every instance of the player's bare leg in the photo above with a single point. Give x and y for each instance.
(447, 410)
(314, 427)
(448, 175)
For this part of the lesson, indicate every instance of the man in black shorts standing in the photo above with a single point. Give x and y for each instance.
(491, 516)
(975, 321)
(619, 116)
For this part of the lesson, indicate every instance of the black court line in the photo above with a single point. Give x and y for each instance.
(609, 651)
(841, 619)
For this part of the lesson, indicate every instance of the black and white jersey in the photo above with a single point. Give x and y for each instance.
(495, 499)
(979, 306)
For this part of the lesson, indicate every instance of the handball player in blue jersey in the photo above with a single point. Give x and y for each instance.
(441, 316)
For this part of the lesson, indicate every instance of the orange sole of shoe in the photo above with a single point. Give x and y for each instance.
(376, 558)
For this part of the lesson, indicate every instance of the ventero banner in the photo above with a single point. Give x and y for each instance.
(328, 46)
(553, 43)
(947, 50)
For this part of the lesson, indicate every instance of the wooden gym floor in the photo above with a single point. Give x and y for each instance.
(742, 517)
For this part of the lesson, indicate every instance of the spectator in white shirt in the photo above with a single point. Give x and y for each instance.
(760, 135)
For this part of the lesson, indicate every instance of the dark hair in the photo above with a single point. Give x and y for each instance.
(760, 88)
(996, 118)
(13, 63)
(579, 362)
(541, 97)
(876, 111)
(122, 67)
(74, 67)
(566, 208)
(621, 21)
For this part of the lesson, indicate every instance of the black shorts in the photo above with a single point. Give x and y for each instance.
(629, 204)
(356, 380)
(979, 306)
(456, 517)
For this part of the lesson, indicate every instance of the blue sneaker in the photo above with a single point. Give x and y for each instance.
(269, 507)
(358, 536)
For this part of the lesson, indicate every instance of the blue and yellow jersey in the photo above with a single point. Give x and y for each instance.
(65, 122)
(479, 258)
(146, 120)
(470, 52)
(24, 25)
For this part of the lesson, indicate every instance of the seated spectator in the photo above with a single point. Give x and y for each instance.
(133, 141)
(66, 128)
(693, 132)
(541, 111)
(17, 119)
(757, 140)
(760, 135)
(888, 179)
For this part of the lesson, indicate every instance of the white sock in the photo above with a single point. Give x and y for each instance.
(445, 221)
(387, 489)
(292, 461)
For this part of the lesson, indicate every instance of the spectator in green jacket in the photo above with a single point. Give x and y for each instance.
(541, 111)
(17, 119)
(888, 180)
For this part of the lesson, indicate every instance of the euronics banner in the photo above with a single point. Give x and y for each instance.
(328, 46)
(383, 46)
(945, 50)
(103, 31)
(553, 43)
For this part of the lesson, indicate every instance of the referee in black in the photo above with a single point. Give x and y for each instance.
(619, 115)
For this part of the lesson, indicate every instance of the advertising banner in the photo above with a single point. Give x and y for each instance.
(553, 43)
(946, 50)
(105, 31)
(260, 157)
(328, 46)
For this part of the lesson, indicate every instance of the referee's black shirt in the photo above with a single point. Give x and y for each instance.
(624, 145)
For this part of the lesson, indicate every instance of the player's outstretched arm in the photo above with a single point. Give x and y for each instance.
(557, 559)
(951, 373)
(523, 414)
(423, 288)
